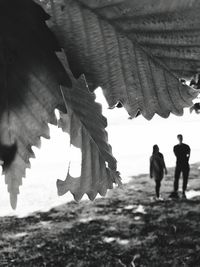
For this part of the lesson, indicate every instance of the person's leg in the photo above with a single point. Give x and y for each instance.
(186, 171)
(176, 178)
(158, 183)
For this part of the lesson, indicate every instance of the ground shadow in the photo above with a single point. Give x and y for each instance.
(127, 227)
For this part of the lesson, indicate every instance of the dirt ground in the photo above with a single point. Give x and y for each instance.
(127, 228)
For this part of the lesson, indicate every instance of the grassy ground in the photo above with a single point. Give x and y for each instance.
(127, 228)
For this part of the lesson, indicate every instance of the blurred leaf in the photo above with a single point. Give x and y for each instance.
(30, 79)
(133, 50)
(86, 126)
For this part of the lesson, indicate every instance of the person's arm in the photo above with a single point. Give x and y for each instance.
(164, 165)
(165, 168)
(188, 154)
(175, 151)
(151, 168)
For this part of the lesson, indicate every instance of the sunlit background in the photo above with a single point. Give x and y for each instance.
(131, 140)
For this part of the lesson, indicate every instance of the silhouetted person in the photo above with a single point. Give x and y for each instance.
(157, 168)
(182, 153)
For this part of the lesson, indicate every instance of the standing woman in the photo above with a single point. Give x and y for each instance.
(157, 168)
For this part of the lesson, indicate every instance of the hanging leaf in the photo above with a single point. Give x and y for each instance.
(133, 50)
(86, 126)
(30, 79)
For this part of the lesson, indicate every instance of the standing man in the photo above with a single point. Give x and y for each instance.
(182, 153)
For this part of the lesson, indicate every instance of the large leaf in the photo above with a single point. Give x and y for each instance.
(30, 80)
(133, 50)
(86, 126)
